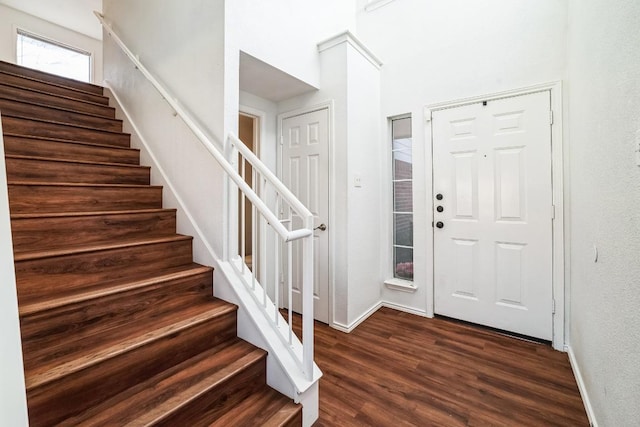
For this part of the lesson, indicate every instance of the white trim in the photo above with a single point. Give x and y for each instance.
(347, 37)
(555, 89)
(364, 316)
(401, 285)
(329, 106)
(582, 387)
(405, 309)
(375, 4)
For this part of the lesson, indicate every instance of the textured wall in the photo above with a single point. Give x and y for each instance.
(604, 118)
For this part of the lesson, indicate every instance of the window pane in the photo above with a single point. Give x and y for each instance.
(403, 229)
(403, 196)
(403, 263)
(401, 144)
(402, 165)
(53, 58)
(401, 128)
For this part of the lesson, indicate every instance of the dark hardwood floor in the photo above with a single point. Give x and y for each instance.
(397, 369)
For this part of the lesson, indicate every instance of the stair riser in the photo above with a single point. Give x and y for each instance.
(39, 277)
(32, 111)
(26, 127)
(30, 234)
(80, 325)
(22, 94)
(52, 78)
(10, 79)
(25, 146)
(30, 170)
(54, 198)
(220, 399)
(51, 403)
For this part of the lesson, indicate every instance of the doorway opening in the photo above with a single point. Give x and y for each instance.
(249, 134)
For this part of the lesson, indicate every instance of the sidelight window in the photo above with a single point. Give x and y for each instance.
(402, 198)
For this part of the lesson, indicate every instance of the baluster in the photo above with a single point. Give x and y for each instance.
(242, 216)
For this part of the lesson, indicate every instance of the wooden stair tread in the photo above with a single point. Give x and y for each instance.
(169, 391)
(79, 184)
(52, 89)
(50, 83)
(70, 125)
(265, 408)
(100, 290)
(68, 141)
(13, 91)
(43, 75)
(58, 108)
(110, 345)
(79, 249)
(82, 162)
(92, 213)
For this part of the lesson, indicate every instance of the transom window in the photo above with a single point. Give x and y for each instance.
(402, 198)
(52, 57)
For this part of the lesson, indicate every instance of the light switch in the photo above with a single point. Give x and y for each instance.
(357, 181)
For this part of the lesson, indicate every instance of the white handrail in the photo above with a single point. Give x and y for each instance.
(272, 220)
(305, 233)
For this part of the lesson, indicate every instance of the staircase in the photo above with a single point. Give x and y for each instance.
(119, 325)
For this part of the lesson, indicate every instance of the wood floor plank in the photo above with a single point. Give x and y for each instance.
(397, 369)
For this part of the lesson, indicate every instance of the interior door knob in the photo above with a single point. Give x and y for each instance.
(439, 208)
(439, 224)
(321, 227)
(439, 196)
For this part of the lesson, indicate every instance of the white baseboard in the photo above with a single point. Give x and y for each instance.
(405, 309)
(582, 387)
(364, 316)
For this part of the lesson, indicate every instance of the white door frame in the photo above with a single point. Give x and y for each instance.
(329, 106)
(559, 296)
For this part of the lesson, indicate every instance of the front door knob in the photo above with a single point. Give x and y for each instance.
(439, 224)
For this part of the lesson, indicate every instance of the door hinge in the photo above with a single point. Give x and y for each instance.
(553, 306)
(550, 117)
(553, 211)
(281, 139)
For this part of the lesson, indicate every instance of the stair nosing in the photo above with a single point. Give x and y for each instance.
(28, 309)
(83, 162)
(58, 108)
(79, 184)
(88, 213)
(195, 391)
(73, 89)
(71, 125)
(85, 249)
(58, 96)
(83, 362)
(68, 141)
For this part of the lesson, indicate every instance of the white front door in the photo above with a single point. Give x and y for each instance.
(305, 171)
(493, 213)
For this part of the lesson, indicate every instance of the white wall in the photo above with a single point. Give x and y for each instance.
(604, 121)
(285, 33)
(13, 399)
(351, 83)
(184, 49)
(435, 51)
(11, 19)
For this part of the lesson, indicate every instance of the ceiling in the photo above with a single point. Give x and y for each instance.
(268, 82)
(76, 15)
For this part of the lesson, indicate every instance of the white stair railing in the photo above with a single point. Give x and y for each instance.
(270, 190)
